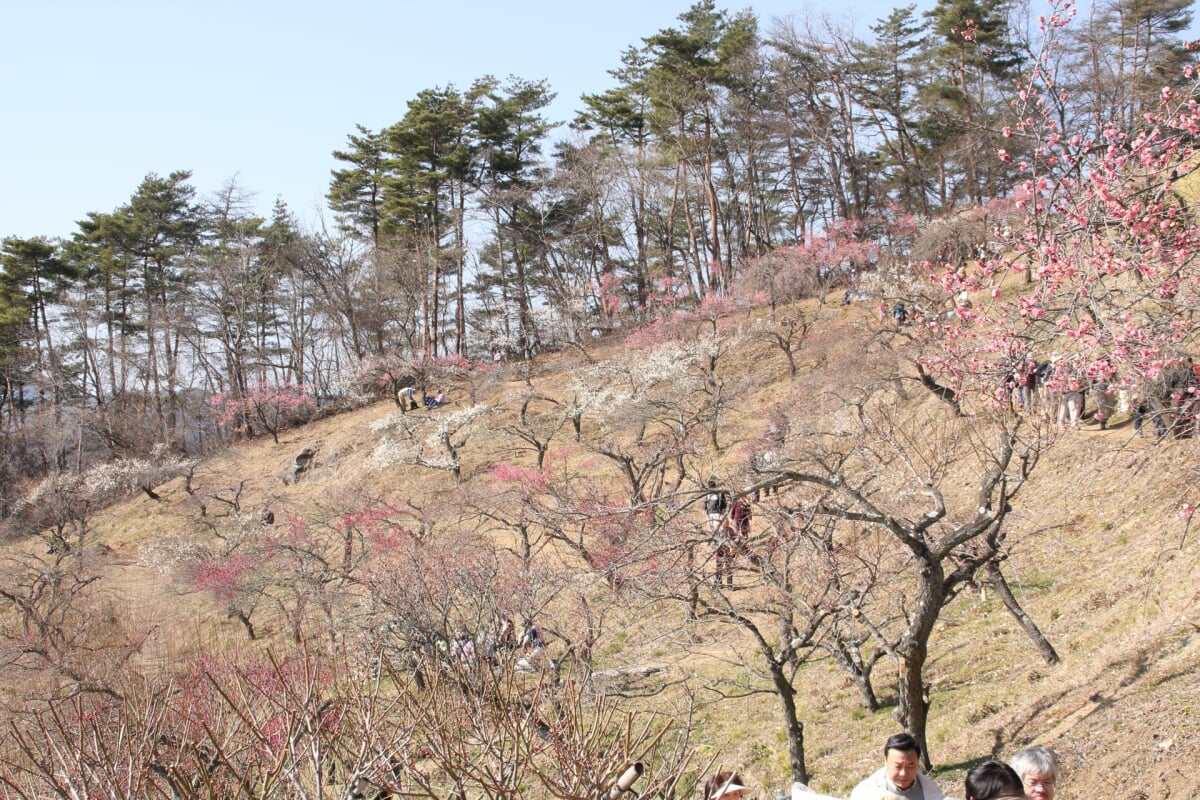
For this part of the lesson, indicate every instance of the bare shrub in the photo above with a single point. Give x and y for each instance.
(308, 726)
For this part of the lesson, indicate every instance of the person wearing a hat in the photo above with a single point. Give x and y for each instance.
(725, 786)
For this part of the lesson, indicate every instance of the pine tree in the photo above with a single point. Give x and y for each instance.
(33, 274)
(511, 130)
(425, 199)
(975, 49)
(356, 192)
(1121, 57)
(140, 260)
(618, 121)
(888, 72)
(691, 65)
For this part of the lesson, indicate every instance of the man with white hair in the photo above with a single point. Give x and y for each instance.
(406, 398)
(1038, 769)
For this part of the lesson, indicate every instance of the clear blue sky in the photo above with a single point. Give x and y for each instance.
(99, 94)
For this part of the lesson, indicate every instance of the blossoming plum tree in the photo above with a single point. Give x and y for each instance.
(434, 442)
(270, 408)
(1107, 250)
(1107, 245)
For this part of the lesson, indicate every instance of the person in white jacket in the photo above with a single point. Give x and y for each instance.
(900, 776)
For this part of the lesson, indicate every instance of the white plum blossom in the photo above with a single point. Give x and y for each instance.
(427, 440)
(52, 487)
(349, 390)
(591, 396)
(894, 279)
(127, 475)
(623, 380)
(105, 483)
(166, 554)
(390, 451)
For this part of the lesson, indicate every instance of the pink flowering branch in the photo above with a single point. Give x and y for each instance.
(266, 407)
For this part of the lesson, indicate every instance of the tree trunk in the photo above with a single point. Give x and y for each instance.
(243, 618)
(866, 693)
(716, 275)
(791, 722)
(944, 393)
(460, 259)
(996, 579)
(913, 711)
(639, 230)
(859, 669)
(788, 632)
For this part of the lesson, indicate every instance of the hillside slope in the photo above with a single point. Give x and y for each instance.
(1102, 560)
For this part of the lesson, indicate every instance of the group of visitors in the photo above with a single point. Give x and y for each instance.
(1060, 388)
(728, 529)
(1030, 775)
(406, 398)
(502, 647)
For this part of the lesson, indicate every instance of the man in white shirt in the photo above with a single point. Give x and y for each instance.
(900, 776)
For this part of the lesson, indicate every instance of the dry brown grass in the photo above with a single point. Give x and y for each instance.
(1104, 565)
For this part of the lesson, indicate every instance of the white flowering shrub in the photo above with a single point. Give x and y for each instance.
(62, 503)
(124, 476)
(168, 555)
(899, 279)
(351, 390)
(426, 440)
(391, 451)
(614, 384)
